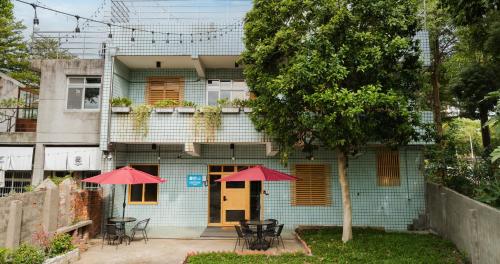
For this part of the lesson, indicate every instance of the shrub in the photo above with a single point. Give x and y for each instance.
(27, 254)
(488, 193)
(121, 101)
(166, 103)
(5, 255)
(188, 104)
(60, 244)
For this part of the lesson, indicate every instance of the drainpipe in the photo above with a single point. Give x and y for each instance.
(108, 132)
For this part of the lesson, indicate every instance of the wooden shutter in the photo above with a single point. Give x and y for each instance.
(388, 167)
(160, 88)
(313, 186)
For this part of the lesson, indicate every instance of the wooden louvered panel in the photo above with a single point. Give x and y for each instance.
(160, 88)
(313, 186)
(388, 173)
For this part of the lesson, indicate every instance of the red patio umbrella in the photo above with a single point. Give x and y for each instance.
(258, 173)
(125, 175)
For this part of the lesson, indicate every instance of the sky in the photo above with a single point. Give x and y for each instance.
(50, 21)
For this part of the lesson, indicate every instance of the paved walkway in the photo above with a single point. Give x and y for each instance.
(165, 250)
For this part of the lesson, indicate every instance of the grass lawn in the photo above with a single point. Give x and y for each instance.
(368, 246)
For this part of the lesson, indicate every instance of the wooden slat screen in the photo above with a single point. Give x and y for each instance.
(313, 186)
(160, 88)
(388, 167)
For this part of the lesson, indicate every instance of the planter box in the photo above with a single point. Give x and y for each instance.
(230, 110)
(166, 110)
(186, 110)
(68, 257)
(120, 109)
(247, 109)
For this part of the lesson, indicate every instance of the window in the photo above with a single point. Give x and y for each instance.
(144, 193)
(388, 167)
(160, 88)
(226, 89)
(83, 92)
(313, 186)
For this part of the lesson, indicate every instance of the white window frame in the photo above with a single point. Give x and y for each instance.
(84, 86)
(231, 88)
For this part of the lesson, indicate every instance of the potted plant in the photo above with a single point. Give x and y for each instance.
(227, 107)
(120, 105)
(140, 114)
(243, 104)
(187, 107)
(165, 106)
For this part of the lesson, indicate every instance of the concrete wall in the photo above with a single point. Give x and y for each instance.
(473, 226)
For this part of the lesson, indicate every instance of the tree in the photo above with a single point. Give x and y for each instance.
(14, 55)
(48, 48)
(335, 74)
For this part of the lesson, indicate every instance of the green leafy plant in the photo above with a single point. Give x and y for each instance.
(11, 103)
(57, 180)
(27, 254)
(29, 188)
(121, 102)
(488, 192)
(241, 103)
(5, 256)
(140, 115)
(166, 103)
(60, 244)
(188, 104)
(210, 119)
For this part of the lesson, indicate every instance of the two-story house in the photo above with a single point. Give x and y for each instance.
(200, 65)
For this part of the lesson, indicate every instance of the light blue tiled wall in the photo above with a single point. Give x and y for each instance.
(389, 207)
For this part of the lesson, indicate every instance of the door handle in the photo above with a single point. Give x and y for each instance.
(224, 198)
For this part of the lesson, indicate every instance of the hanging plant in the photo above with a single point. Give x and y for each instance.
(209, 118)
(140, 115)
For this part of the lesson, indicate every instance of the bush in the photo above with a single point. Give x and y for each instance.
(121, 101)
(60, 244)
(488, 193)
(166, 103)
(188, 104)
(27, 254)
(4, 256)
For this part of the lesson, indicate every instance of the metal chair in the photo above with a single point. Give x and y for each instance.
(140, 227)
(246, 237)
(111, 233)
(277, 235)
(271, 228)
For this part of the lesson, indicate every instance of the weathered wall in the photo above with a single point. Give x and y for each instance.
(473, 226)
(32, 212)
(88, 205)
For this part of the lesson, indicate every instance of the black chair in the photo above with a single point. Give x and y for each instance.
(246, 237)
(271, 228)
(277, 235)
(245, 228)
(140, 227)
(111, 233)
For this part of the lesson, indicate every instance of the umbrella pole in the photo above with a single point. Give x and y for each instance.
(124, 199)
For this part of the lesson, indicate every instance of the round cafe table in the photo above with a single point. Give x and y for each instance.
(122, 221)
(260, 243)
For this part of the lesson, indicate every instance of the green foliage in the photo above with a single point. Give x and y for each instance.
(208, 119)
(372, 246)
(57, 180)
(27, 254)
(121, 102)
(234, 103)
(49, 48)
(11, 103)
(334, 73)
(29, 188)
(188, 104)
(166, 103)
(60, 244)
(5, 256)
(14, 55)
(488, 192)
(140, 115)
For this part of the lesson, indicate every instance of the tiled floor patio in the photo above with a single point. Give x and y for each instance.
(171, 250)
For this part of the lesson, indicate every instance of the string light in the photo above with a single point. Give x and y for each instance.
(36, 21)
(192, 38)
(132, 38)
(77, 29)
(167, 41)
(110, 35)
(180, 38)
(153, 37)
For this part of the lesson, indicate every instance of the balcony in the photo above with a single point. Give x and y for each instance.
(179, 127)
(18, 125)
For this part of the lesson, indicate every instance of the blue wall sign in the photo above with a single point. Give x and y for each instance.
(194, 180)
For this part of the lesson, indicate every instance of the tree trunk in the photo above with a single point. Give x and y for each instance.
(436, 85)
(346, 198)
(485, 130)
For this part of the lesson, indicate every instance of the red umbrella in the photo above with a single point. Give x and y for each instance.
(125, 175)
(258, 173)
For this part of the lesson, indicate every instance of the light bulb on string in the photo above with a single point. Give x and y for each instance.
(77, 29)
(167, 41)
(153, 37)
(192, 38)
(180, 38)
(110, 35)
(36, 21)
(132, 37)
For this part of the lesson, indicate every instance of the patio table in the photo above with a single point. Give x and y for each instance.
(122, 221)
(260, 243)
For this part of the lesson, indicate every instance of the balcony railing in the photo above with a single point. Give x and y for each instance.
(178, 128)
(19, 119)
